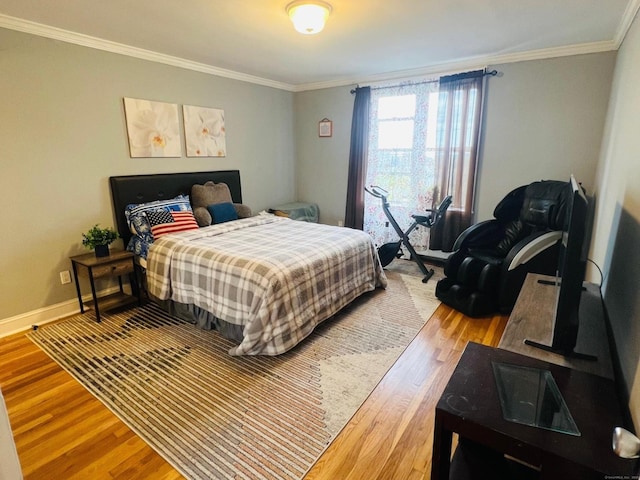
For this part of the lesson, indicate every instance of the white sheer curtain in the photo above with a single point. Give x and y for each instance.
(401, 158)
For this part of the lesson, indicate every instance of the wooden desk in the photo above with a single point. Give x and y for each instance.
(532, 318)
(470, 406)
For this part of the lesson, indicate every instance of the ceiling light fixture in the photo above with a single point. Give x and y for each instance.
(308, 16)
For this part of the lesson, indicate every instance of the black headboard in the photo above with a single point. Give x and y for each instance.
(128, 189)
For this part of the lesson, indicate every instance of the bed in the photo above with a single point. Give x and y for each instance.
(264, 282)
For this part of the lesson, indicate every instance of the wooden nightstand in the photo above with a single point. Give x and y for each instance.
(118, 263)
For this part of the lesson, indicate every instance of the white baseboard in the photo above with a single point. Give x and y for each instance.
(26, 321)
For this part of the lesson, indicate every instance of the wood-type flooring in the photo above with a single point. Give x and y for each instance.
(61, 431)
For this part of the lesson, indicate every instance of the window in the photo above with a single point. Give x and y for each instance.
(420, 143)
(401, 157)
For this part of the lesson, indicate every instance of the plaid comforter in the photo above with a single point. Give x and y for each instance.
(276, 277)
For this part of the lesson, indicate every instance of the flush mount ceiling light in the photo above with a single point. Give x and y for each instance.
(308, 16)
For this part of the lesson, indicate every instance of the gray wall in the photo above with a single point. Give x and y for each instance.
(543, 120)
(616, 240)
(63, 134)
(322, 164)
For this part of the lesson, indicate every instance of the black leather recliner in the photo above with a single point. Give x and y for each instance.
(491, 259)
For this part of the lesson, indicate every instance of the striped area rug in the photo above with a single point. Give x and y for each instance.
(215, 416)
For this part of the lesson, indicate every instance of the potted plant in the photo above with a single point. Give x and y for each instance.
(99, 239)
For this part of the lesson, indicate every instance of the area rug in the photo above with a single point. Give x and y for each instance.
(215, 416)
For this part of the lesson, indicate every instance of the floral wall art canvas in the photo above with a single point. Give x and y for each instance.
(204, 131)
(153, 128)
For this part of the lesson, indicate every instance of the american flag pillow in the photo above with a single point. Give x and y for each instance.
(163, 223)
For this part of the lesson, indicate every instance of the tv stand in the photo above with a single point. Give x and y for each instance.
(571, 354)
(531, 322)
(553, 283)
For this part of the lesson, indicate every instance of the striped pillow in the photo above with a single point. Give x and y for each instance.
(163, 223)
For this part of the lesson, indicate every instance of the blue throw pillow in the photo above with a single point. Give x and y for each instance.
(222, 212)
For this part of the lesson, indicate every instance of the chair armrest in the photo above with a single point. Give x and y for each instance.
(536, 253)
(529, 247)
(203, 217)
(481, 235)
(243, 211)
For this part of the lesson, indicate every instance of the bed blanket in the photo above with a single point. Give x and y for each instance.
(276, 277)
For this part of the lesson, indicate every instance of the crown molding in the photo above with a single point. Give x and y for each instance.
(427, 71)
(467, 64)
(625, 23)
(54, 33)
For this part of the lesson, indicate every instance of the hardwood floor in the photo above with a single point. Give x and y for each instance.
(391, 435)
(61, 431)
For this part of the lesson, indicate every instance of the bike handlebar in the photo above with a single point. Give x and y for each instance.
(376, 191)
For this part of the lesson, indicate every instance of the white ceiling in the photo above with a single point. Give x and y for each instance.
(363, 41)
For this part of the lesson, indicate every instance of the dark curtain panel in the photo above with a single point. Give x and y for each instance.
(458, 132)
(354, 212)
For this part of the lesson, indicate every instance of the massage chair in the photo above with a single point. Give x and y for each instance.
(491, 259)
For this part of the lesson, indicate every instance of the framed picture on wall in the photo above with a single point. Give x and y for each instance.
(153, 128)
(204, 131)
(325, 128)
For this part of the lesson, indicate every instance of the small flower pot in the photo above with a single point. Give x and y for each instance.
(102, 250)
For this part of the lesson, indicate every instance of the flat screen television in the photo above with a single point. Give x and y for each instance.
(572, 264)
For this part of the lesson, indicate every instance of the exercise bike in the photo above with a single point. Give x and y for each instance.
(389, 251)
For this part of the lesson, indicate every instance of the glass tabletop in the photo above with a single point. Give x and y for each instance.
(531, 397)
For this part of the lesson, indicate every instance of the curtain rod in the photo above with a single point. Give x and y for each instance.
(486, 72)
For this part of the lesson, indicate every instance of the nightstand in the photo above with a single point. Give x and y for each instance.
(118, 263)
